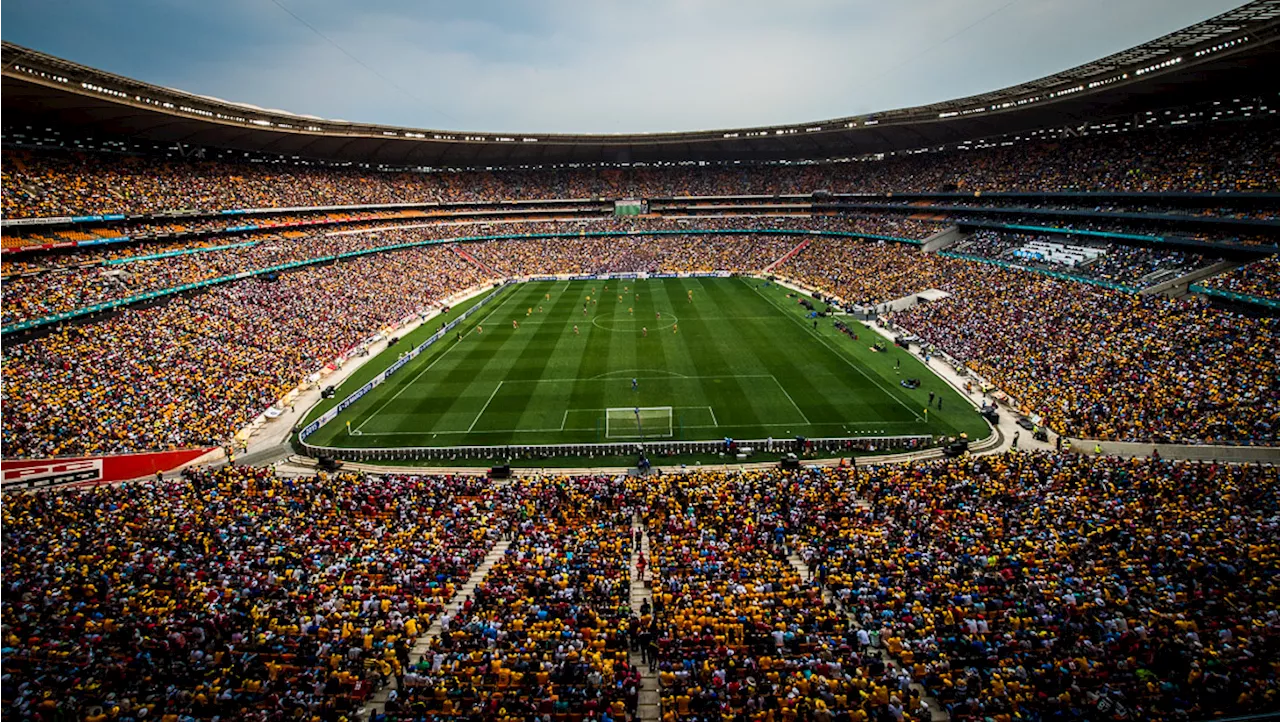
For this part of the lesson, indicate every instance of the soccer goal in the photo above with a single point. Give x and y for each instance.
(632, 422)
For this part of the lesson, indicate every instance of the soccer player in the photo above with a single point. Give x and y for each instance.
(539, 309)
(479, 329)
(515, 323)
(529, 311)
(675, 328)
(690, 295)
(658, 315)
(635, 386)
(645, 332)
(575, 330)
(548, 297)
(631, 310)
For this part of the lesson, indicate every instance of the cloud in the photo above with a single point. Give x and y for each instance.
(566, 66)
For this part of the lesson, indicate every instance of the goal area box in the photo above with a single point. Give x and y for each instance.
(643, 422)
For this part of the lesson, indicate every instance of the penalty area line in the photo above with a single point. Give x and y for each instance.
(822, 339)
(486, 406)
(434, 361)
(793, 401)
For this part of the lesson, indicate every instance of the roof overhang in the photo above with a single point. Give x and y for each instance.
(1232, 54)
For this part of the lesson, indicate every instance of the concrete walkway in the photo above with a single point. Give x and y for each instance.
(377, 702)
(649, 708)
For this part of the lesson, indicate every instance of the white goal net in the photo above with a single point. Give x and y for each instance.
(632, 422)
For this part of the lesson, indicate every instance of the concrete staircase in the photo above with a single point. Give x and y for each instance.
(377, 702)
(1181, 285)
(649, 708)
(936, 712)
(943, 239)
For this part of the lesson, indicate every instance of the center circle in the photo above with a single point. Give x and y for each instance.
(634, 327)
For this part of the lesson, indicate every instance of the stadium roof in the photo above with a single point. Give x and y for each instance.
(1232, 54)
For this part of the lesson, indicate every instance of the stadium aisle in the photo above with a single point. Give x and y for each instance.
(936, 711)
(377, 703)
(648, 708)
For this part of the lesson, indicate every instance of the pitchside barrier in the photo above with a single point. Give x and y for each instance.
(331, 414)
(840, 445)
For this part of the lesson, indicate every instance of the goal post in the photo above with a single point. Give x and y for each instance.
(638, 422)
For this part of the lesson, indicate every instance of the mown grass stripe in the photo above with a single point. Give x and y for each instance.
(745, 364)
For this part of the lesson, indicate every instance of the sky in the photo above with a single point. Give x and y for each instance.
(590, 66)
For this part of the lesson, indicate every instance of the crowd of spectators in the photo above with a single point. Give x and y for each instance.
(1095, 363)
(1259, 278)
(633, 254)
(1104, 364)
(193, 371)
(80, 279)
(189, 372)
(1015, 587)
(231, 594)
(12, 264)
(1237, 156)
(739, 634)
(1158, 206)
(866, 273)
(1059, 587)
(32, 263)
(1127, 265)
(75, 287)
(1167, 231)
(547, 631)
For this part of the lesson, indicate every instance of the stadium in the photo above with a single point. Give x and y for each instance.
(961, 411)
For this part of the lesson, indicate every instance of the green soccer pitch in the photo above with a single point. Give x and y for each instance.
(710, 358)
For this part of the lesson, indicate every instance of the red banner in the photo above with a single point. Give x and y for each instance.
(36, 473)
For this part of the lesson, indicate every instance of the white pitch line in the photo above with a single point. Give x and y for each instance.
(628, 372)
(686, 426)
(793, 401)
(434, 361)
(486, 405)
(843, 357)
(713, 417)
(596, 379)
(565, 421)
